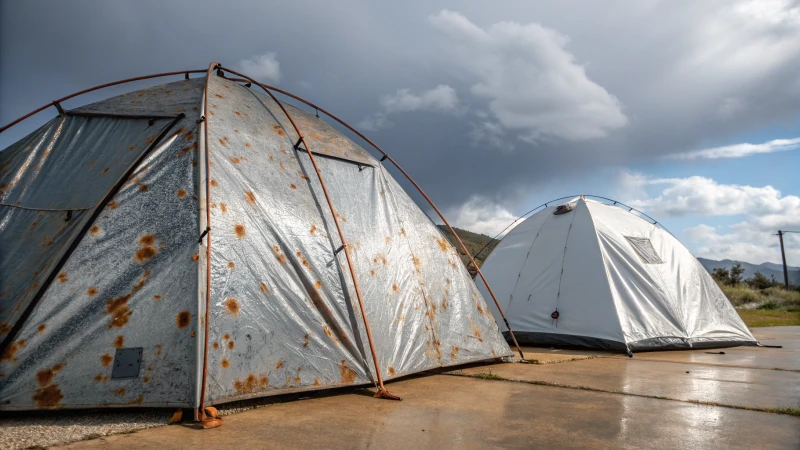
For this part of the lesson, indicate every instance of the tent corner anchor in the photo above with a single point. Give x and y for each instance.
(383, 393)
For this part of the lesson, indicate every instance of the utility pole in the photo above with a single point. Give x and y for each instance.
(783, 257)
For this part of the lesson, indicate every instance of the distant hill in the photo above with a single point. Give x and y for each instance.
(474, 243)
(768, 269)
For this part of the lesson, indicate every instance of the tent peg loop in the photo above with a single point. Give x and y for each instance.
(205, 232)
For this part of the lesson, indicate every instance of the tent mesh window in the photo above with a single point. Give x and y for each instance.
(645, 250)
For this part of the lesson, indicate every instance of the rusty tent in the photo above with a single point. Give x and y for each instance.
(199, 242)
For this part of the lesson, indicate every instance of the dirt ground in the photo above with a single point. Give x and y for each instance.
(744, 397)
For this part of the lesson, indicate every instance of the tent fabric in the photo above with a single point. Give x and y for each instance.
(616, 281)
(283, 314)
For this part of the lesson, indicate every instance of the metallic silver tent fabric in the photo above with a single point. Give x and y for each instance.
(283, 312)
(583, 265)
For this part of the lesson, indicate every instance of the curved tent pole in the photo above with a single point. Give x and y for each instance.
(57, 103)
(382, 392)
(419, 189)
(204, 121)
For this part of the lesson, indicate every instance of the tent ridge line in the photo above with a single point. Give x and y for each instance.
(382, 391)
(23, 318)
(408, 177)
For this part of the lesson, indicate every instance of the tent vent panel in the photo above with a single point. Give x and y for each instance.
(645, 250)
(127, 362)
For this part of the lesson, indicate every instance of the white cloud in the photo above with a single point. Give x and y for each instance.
(480, 215)
(764, 209)
(490, 133)
(532, 83)
(739, 150)
(440, 98)
(265, 68)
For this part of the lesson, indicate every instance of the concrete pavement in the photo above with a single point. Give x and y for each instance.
(447, 411)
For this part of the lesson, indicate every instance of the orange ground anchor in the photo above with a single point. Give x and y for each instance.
(211, 418)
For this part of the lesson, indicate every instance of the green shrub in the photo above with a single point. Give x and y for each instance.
(769, 304)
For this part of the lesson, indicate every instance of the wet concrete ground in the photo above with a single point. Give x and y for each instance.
(622, 409)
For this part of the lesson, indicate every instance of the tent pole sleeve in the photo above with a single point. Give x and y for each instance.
(382, 392)
(114, 83)
(97, 211)
(419, 189)
(211, 68)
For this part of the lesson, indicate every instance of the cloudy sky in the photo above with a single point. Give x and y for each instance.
(687, 110)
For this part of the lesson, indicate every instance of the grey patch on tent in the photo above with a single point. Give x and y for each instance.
(127, 362)
(644, 248)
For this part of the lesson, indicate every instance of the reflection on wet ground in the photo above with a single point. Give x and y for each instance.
(607, 401)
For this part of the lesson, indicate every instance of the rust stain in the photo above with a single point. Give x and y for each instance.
(279, 365)
(106, 360)
(62, 277)
(348, 374)
(48, 397)
(225, 363)
(232, 306)
(318, 285)
(231, 344)
(143, 188)
(219, 96)
(235, 160)
(283, 150)
(181, 193)
(247, 144)
(329, 334)
(293, 186)
(94, 230)
(158, 351)
(223, 207)
(226, 337)
(313, 229)
(305, 344)
(372, 272)
(231, 265)
(379, 259)
(417, 265)
(120, 391)
(132, 147)
(98, 378)
(442, 244)
(223, 142)
(402, 231)
(395, 288)
(41, 327)
(240, 231)
(392, 372)
(263, 287)
(119, 342)
(216, 345)
(278, 255)
(144, 254)
(214, 183)
(113, 205)
(251, 199)
(183, 319)
(118, 309)
(46, 376)
(316, 382)
(281, 166)
(195, 256)
(156, 297)
(278, 130)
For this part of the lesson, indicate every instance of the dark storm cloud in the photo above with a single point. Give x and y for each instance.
(655, 78)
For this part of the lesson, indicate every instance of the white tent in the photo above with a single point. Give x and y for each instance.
(586, 273)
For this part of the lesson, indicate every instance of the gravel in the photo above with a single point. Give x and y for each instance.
(43, 430)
